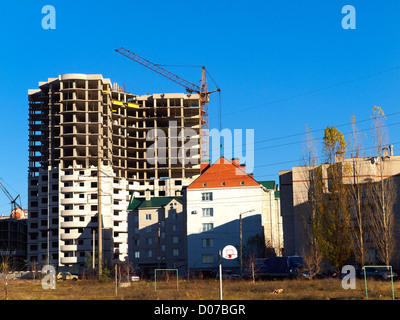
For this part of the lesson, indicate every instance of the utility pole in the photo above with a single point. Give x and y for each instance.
(100, 224)
(241, 243)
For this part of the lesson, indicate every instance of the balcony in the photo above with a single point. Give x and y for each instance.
(73, 201)
(71, 247)
(68, 260)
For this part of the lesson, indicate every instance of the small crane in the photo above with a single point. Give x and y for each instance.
(15, 205)
(190, 87)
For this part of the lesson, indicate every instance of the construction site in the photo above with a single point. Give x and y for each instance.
(90, 148)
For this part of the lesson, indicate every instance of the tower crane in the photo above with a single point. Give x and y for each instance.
(15, 205)
(190, 87)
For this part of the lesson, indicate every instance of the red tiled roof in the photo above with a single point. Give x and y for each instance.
(223, 174)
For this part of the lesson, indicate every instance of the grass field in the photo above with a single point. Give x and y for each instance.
(207, 289)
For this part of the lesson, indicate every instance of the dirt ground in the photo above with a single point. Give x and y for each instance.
(206, 289)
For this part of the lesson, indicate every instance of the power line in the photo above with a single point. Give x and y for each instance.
(317, 90)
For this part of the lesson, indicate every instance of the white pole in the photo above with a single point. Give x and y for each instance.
(116, 282)
(220, 276)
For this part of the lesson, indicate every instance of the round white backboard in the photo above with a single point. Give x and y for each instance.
(229, 252)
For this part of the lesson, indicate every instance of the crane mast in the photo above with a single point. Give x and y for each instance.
(190, 87)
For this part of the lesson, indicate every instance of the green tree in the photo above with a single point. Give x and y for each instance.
(333, 223)
(333, 144)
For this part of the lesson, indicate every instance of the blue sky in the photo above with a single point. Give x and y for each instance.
(280, 65)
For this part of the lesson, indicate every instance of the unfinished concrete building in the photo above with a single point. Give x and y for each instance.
(85, 131)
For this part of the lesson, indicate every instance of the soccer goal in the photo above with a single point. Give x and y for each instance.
(164, 274)
(372, 267)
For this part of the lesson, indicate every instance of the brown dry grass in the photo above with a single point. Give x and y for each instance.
(321, 289)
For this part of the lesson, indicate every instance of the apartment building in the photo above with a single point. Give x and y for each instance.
(157, 233)
(223, 196)
(91, 144)
(13, 239)
(294, 193)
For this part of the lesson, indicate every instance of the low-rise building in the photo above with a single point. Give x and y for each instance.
(157, 233)
(360, 172)
(227, 206)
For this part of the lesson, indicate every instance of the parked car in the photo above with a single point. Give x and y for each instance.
(378, 273)
(279, 267)
(67, 276)
(228, 274)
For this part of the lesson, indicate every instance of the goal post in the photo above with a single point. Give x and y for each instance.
(155, 277)
(365, 278)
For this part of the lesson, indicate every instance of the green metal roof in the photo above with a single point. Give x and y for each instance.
(277, 194)
(268, 184)
(154, 202)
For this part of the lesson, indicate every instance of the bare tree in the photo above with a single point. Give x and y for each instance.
(356, 187)
(308, 212)
(5, 269)
(382, 194)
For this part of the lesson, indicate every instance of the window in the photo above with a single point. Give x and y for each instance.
(149, 253)
(175, 240)
(137, 254)
(175, 227)
(208, 212)
(207, 258)
(149, 241)
(148, 216)
(207, 227)
(148, 229)
(207, 196)
(208, 243)
(175, 252)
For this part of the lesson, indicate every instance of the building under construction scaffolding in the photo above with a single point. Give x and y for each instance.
(84, 132)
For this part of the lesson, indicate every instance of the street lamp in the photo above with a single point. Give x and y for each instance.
(241, 244)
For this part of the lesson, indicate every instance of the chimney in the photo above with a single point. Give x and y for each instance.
(236, 161)
(147, 194)
(385, 152)
(390, 150)
(338, 157)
